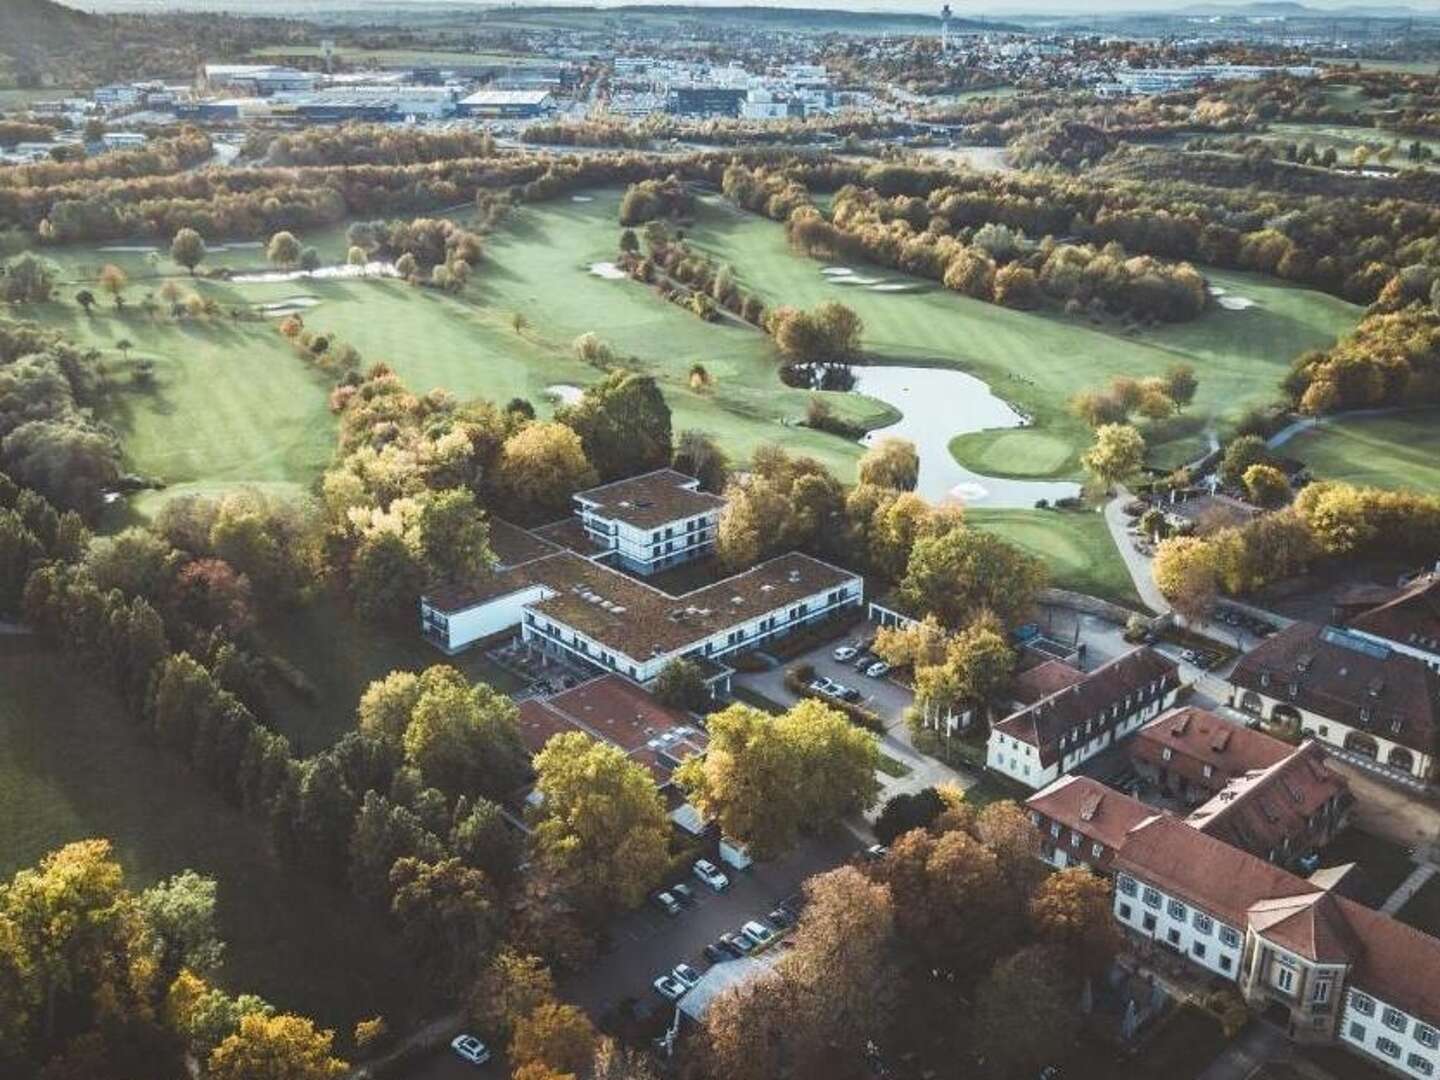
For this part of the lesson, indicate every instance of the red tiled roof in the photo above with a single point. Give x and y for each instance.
(1258, 810)
(1345, 678)
(1093, 810)
(1412, 618)
(617, 711)
(1042, 680)
(1196, 738)
(539, 724)
(1042, 724)
(1311, 924)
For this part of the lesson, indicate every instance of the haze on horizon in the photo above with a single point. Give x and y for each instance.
(960, 9)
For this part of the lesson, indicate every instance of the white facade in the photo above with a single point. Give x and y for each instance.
(1191, 931)
(1020, 761)
(1389, 1035)
(454, 631)
(648, 550)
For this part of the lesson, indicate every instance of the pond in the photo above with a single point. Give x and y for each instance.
(936, 405)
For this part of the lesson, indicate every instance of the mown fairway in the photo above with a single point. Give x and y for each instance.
(1074, 544)
(1401, 451)
(1039, 360)
(71, 768)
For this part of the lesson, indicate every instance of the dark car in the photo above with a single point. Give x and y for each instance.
(715, 953)
(780, 918)
(851, 695)
(731, 945)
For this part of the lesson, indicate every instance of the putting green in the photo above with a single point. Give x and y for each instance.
(1021, 452)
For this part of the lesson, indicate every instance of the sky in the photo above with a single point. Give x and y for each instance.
(961, 8)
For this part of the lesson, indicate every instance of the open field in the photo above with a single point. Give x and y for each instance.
(1038, 361)
(341, 656)
(71, 767)
(1404, 67)
(1400, 451)
(1074, 544)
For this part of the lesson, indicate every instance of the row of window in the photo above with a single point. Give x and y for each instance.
(1199, 948)
(1203, 923)
(1395, 1020)
(1391, 1049)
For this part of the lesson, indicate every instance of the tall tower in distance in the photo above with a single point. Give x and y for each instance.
(945, 28)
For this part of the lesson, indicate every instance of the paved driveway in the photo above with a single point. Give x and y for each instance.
(884, 697)
(647, 942)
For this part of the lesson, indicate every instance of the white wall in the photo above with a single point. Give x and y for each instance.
(1188, 935)
(1018, 760)
(1375, 1030)
(502, 613)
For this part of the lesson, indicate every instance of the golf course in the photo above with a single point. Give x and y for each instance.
(226, 401)
(1400, 450)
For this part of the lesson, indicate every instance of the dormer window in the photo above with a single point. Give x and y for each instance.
(1294, 689)
(1264, 678)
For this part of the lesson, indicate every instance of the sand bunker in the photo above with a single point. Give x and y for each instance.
(893, 287)
(343, 272)
(1234, 303)
(564, 393)
(129, 247)
(608, 270)
(291, 305)
(582, 198)
(837, 271)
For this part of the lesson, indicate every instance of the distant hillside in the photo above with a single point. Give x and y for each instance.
(1290, 9)
(31, 31)
(820, 19)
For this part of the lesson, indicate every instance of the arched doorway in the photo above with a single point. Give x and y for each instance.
(1286, 714)
(1400, 758)
(1251, 703)
(1359, 743)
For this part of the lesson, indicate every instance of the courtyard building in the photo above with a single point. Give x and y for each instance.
(1064, 729)
(1353, 692)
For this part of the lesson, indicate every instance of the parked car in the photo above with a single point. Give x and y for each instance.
(863, 661)
(845, 652)
(822, 686)
(849, 693)
(740, 942)
(1190, 656)
(878, 670)
(731, 945)
(669, 987)
(876, 851)
(686, 975)
(667, 903)
(469, 1048)
(682, 892)
(710, 874)
(714, 953)
(758, 932)
(781, 919)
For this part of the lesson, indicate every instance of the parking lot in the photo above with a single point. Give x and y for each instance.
(884, 697)
(647, 943)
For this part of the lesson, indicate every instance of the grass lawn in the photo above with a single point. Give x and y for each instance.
(891, 767)
(1422, 910)
(1074, 544)
(1400, 451)
(341, 656)
(72, 767)
(232, 404)
(1038, 361)
(1382, 865)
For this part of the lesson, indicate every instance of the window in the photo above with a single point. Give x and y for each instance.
(1357, 1031)
(1074, 838)
(1394, 1019)
(1177, 910)
(1285, 979)
(1151, 897)
(1149, 924)
(1362, 1004)
(1126, 884)
(1203, 923)
(1422, 1065)
(1198, 949)
(1165, 754)
(1125, 911)
(1097, 850)
(1173, 936)
(1320, 994)
(1427, 1036)
(1229, 937)
(1055, 829)
(1209, 771)
(1225, 963)
(1387, 1047)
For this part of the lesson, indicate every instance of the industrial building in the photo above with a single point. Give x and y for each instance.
(507, 104)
